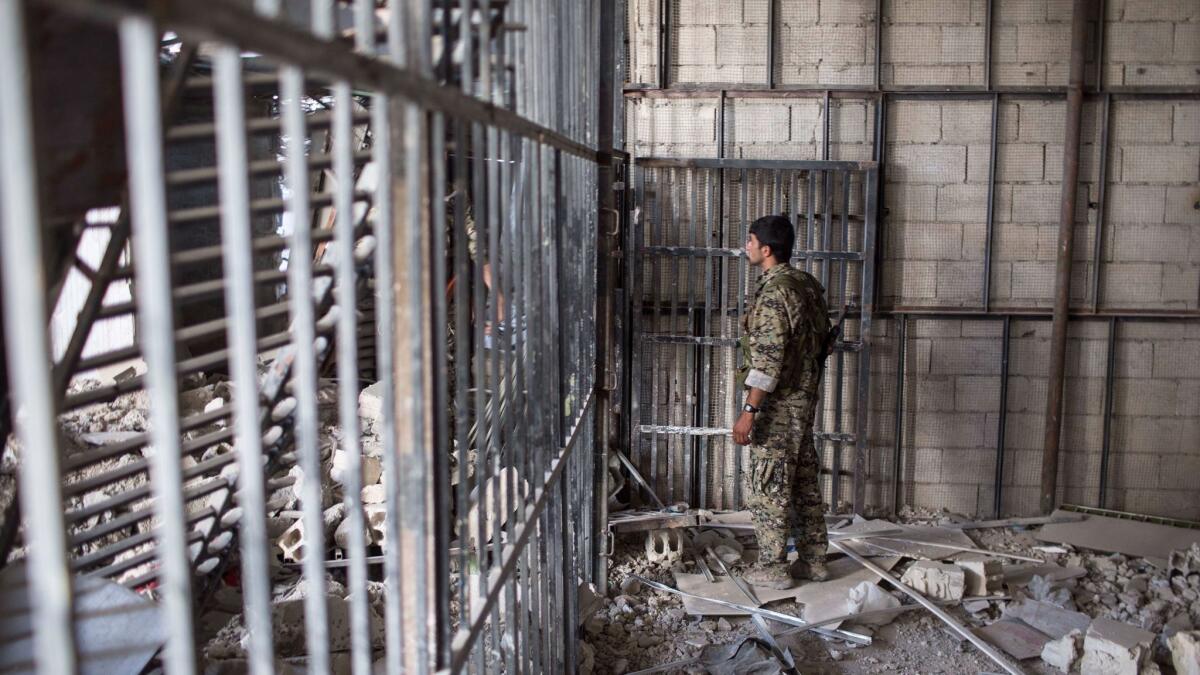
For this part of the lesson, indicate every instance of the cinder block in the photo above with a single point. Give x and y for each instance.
(1177, 359)
(1178, 472)
(1084, 433)
(962, 203)
(963, 466)
(975, 393)
(935, 328)
(965, 357)
(1133, 358)
(959, 283)
(710, 12)
(1087, 358)
(1020, 162)
(978, 163)
(1140, 122)
(1131, 284)
(974, 238)
(926, 11)
(1036, 203)
(1015, 242)
(1159, 10)
(910, 279)
(907, 202)
(962, 44)
(1026, 394)
(1019, 74)
(849, 123)
(982, 329)
(926, 463)
(927, 241)
(741, 45)
(1160, 164)
(928, 163)
(799, 12)
(1187, 122)
(935, 580)
(1156, 74)
(755, 11)
(845, 73)
(761, 122)
(1136, 203)
(695, 45)
(1181, 205)
(914, 122)
(983, 575)
(1004, 42)
(1187, 43)
(912, 44)
(937, 75)
(1145, 397)
(962, 430)
(847, 11)
(1180, 284)
(1140, 42)
(1043, 42)
(1041, 121)
(817, 44)
(1155, 243)
(1160, 502)
(1032, 280)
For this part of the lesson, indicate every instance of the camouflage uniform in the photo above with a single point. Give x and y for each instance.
(787, 325)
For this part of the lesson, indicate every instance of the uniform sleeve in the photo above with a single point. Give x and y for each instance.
(769, 330)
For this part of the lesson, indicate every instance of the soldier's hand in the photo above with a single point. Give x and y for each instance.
(742, 428)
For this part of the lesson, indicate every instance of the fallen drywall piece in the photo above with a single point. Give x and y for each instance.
(722, 589)
(1151, 541)
(1058, 517)
(117, 631)
(909, 543)
(1047, 618)
(827, 599)
(1017, 639)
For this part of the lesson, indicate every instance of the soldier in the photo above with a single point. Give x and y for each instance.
(783, 349)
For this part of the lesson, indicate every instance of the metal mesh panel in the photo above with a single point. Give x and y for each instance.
(1028, 45)
(1144, 47)
(671, 127)
(718, 42)
(885, 390)
(766, 128)
(826, 43)
(1023, 432)
(1153, 170)
(926, 42)
(852, 130)
(643, 46)
(1153, 458)
(938, 156)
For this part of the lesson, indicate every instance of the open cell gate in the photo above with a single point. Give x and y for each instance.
(689, 278)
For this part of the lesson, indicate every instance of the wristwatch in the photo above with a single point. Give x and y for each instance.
(750, 409)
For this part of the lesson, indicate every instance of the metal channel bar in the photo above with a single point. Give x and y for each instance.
(772, 40)
(25, 324)
(990, 218)
(233, 189)
(148, 205)
(864, 355)
(1110, 374)
(1002, 422)
(898, 422)
(743, 164)
(989, 28)
(1101, 201)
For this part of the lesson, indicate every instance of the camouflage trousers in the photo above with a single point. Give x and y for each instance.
(784, 487)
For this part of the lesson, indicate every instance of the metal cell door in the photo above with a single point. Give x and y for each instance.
(688, 280)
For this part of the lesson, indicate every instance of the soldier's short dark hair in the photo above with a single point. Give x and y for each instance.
(776, 232)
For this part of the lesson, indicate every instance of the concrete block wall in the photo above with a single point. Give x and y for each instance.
(1154, 171)
(933, 228)
(718, 41)
(826, 43)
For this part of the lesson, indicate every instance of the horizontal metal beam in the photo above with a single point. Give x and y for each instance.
(716, 431)
(715, 163)
(228, 21)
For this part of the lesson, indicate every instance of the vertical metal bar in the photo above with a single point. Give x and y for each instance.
(878, 45)
(346, 296)
(462, 353)
(1002, 422)
(1110, 374)
(743, 289)
(300, 281)
(1062, 269)
(898, 422)
(988, 29)
(438, 379)
(1101, 26)
(238, 264)
(633, 281)
(664, 43)
(607, 244)
(148, 205)
(772, 37)
(1101, 200)
(989, 235)
(864, 352)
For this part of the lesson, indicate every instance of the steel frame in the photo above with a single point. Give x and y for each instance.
(666, 182)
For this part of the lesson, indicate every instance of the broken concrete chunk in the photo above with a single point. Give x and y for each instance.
(374, 494)
(370, 406)
(983, 575)
(1185, 652)
(936, 580)
(1048, 618)
(291, 542)
(664, 546)
(1115, 648)
(869, 597)
(1064, 652)
(1185, 561)
(372, 468)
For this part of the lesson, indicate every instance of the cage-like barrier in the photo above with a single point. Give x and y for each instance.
(362, 248)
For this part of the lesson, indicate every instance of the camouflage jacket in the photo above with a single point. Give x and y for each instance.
(787, 324)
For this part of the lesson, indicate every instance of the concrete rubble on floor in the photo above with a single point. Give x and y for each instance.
(1107, 613)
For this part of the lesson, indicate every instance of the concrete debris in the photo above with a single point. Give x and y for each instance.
(983, 575)
(664, 547)
(1048, 618)
(869, 597)
(1052, 592)
(1185, 652)
(1016, 638)
(936, 580)
(1064, 652)
(1185, 561)
(1115, 648)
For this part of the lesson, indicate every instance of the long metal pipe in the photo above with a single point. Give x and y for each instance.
(1062, 275)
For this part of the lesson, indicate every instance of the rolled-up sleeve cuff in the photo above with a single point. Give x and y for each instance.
(760, 380)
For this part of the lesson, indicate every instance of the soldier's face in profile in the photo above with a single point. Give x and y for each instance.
(754, 250)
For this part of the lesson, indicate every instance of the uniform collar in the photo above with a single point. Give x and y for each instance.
(781, 268)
